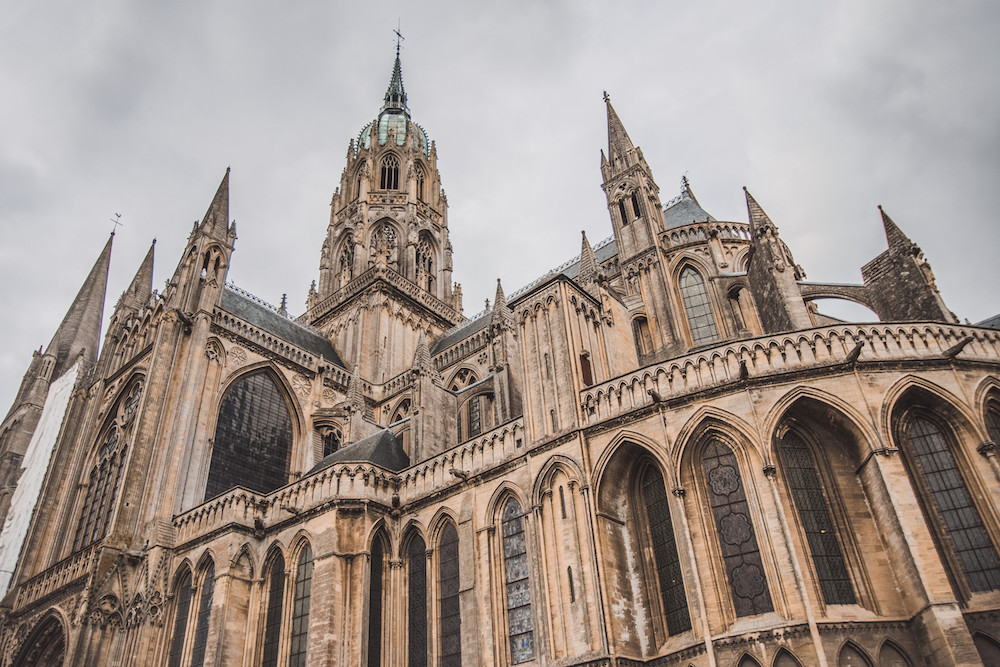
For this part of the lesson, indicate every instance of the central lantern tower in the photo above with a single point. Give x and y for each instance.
(385, 267)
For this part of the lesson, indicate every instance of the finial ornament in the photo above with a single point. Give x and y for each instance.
(399, 37)
(116, 221)
(607, 98)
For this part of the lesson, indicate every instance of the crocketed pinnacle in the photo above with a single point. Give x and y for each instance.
(422, 355)
(588, 262)
(758, 219)
(216, 220)
(395, 95)
(355, 399)
(618, 140)
(898, 241)
(501, 315)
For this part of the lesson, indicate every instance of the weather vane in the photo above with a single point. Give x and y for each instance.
(117, 223)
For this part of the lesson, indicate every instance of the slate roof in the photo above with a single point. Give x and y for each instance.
(473, 325)
(683, 210)
(990, 322)
(258, 314)
(382, 449)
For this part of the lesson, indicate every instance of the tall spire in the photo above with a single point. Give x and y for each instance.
(898, 241)
(395, 96)
(137, 293)
(501, 316)
(80, 330)
(422, 356)
(618, 140)
(216, 220)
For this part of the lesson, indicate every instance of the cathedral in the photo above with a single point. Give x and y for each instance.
(660, 452)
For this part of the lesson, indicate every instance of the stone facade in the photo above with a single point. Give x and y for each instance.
(659, 453)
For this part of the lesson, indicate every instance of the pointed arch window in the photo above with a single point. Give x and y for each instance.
(416, 610)
(253, 438)
(451, 613)
(106, 474)
(44, 647)
(475, 417)
(419, 175)
(375, 586)
(814, 516)
(953, 511)
(204, 615)
(697, 307)
(635, 205)
(993, 421)
(425, 264)
(300, 609)
(275, 599)
(666, 561)
(520, 625)
(734, 527)
(181, 614)
(346, 264)
(642, 335)
(390, 173)
(332, 438)
(623, 212)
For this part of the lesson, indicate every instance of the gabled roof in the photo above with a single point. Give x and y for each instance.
(244, 306)
(382, 449)
(684, 210)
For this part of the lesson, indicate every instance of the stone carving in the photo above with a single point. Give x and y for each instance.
(238, 356)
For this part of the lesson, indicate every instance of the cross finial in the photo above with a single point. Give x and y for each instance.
(399, 37)
(116, 221)
(606, 97)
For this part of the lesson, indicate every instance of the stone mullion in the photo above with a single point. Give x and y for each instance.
(394, 623)
(679, 508)
(491, 604)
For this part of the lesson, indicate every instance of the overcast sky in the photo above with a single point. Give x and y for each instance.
(823, 110)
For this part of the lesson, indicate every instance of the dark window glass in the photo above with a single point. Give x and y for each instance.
(668, 566)
(451, 617)
(572, 590)
(204, 615)
(635, 205)
(737, 540)
(585, 369)
(180, 620)
(272, 623)
(332, 439)
(102, 489)
(562, 502)
(375, 606)
(624, 213)
(475, 421)
(697, 306)
(420, 182)
(520, 626)
(252, 438)
(814, 514)
(993, 424)
(390, 173)
(416, 565)
(300, 609)
(951, 498)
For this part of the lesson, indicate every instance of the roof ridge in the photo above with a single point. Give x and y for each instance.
(253, 298)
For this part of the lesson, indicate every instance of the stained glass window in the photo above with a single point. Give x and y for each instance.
(253, 438)
(976, 554)
(204, 615)
(814, 514)
(272, 623)
(300, 609)
(451, 617)
(475, 424)
(416, 612)
(181, 613)
(520, 626)
(698, 307)
(668, 566)
(102, 489)
(375, 605)
(993, 423)
(744, 568)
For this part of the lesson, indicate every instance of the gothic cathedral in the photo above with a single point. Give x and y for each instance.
(658, 453)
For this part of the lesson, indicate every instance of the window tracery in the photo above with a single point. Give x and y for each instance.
(384, 246)
(346, 264)
(105, 476)
(390, 173)
(181, 613)
(808, 496)
(475, 416)
(520, 625)
(697, 307)
(332, 437)
(734, 527)
(425, 264)
(253, 438)
(953, 509)
(419, 174)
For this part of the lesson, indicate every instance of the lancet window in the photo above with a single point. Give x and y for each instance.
(182, 611)
(346, 268)
(814, 515)
(448, 585)
(390, 173)
(475, 416)
(993, 421)
(300, 609)
(623, 212)
(332, 437)
(253, 438)
(375, 588)
(643, 337)
(520, 625)
(697, 306)
(106, 473)
(383, 244)
(416, 609)
(635, 205)
(419, 175)
(204, 615)
(734, 527)
(425, 265)
(275, 599)
(928, 449)
(653, 494)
